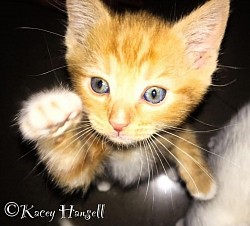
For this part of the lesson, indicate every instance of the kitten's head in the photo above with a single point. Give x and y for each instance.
(137, 74)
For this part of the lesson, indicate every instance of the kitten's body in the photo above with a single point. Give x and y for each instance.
(136, 78)
(230, 164)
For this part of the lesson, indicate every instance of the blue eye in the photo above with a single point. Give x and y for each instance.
(154, 95)
(99, 85)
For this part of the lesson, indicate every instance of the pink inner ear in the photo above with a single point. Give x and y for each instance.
(200, 59)
(201, 48)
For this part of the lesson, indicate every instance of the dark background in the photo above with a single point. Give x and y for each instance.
(27, 56)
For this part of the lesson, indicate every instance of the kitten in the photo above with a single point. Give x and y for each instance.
(136, 78)
(230, 163)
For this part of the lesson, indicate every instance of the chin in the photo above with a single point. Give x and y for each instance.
(122, 140)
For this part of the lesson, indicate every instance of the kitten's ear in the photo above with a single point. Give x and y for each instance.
(202, 32)
(83, 15)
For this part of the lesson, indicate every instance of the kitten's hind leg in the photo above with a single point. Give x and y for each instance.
(66, 144)
(192, 167)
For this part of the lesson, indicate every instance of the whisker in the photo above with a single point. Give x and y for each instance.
(68, 131)
(92, 133)
(156, 152)
(224, 85)
(52, 70)
(149, 171)
(229, 67)
(179, 129)
(97, 137)
(50, 58)
(104, 141)
(82, 133)
(77, 135)
(47, 72)
(201, 122)
(43, 30)
(151, 151)
(80, 149)
(33, 170)
(27, 153)
(164, 169)
(154, 162)
(51, 61)
(191, 157)
(83, 126)
(139, 179)
(193, 131)
(85, 121)
(195, 145)
(57, 7)
(180, 163)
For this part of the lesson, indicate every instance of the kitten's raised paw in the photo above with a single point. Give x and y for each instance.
(204, 190)
(49, 114)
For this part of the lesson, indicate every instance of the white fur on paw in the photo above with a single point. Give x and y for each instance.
(180, 222)
(49, 114)
(207, 196)
(103, 186)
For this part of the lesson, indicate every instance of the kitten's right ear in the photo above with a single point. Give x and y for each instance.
(83, 15)
(202, 32)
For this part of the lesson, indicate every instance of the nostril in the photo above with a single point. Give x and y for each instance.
(118, 127)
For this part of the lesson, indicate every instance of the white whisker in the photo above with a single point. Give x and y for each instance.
(153, 157)
(138, 182)
(201, 122)
(43, 30)
(80, 149)
(149, 171)
(82, 133)
(195, 145)
(47, 72)
(229, 67)
(191, 157)
(163, 167)
(179, 162)
(224, 85)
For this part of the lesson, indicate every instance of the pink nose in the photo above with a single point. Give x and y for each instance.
(118, 127)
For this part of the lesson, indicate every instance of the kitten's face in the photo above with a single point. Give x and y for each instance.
(134, 74)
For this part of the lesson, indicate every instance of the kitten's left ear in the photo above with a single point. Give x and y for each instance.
(83, 15)
(202, 32)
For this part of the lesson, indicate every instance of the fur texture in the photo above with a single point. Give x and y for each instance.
(114, 126)
(230, 164)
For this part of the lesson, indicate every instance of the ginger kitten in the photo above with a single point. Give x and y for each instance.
(136, 78)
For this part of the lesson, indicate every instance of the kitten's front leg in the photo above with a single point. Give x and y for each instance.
(193, 168)
(53, 120)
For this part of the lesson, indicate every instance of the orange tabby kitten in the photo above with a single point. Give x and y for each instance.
(136, 78)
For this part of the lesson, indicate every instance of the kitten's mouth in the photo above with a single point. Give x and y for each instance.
(123, 138)
(120, 139)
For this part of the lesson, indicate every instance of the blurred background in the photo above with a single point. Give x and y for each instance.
(32, 59)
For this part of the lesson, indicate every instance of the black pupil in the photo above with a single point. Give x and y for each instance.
(99, 84)
(154, 93)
